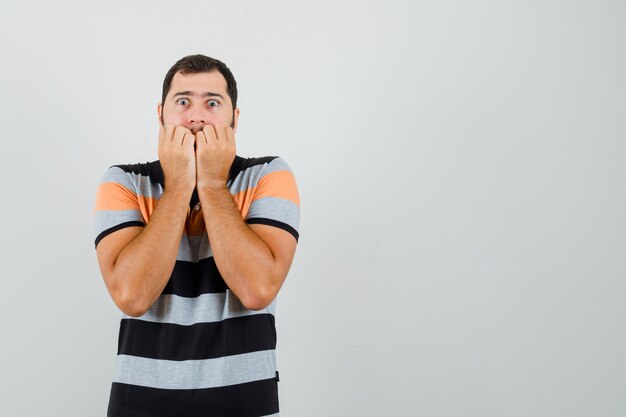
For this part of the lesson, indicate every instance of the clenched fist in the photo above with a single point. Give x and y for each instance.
(176, 153)
(215, 152)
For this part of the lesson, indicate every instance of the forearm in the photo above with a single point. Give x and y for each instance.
(244, 260)
(145, 265)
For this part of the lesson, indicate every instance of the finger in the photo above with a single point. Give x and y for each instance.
(169, 133)
(230, 135)
(209, 133)
(220, 133)
(188, 140)
(200, 142)
(179, 134)
(201, 138)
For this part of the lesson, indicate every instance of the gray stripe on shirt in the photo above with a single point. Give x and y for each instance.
(196, 374)
(192, 248)
(106, 219)
(138, 184)
(276, 209)
(206, 308)
(250, 177)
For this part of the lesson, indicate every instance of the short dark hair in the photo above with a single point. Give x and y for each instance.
(194, 64)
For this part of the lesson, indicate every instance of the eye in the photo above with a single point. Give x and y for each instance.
(213, 103)
(182, 101)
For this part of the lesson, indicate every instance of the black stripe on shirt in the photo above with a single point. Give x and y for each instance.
(154, 170)
(252, 399)
(149, 169)
(176, 342)
(191, 279)
(116, 228)
(275, 223)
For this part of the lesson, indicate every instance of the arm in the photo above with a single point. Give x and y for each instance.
(253, 259)
(136, 263)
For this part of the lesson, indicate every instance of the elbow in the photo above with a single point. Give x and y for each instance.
(130, 304)
(258, 300)
(262, 294)
(133, 311)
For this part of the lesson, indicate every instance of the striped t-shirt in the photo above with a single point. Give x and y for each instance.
(197, 351)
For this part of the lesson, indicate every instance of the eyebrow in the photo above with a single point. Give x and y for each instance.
(205, 94)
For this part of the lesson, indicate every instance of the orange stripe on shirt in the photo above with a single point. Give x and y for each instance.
(147, 205)
(280, 184)
(243, 199)
(114, 196)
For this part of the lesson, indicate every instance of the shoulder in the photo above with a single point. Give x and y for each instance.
(149, 169)
(258, 166)
(128, 174)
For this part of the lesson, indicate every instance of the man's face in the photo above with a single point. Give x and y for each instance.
(197, 100)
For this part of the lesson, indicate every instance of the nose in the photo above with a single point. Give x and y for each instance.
(196, 119)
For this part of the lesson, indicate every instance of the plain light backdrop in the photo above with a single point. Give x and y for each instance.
(462, 173)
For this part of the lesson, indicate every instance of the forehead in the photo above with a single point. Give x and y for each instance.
(212, 81)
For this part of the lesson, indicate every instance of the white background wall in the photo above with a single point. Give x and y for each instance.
(461, 168)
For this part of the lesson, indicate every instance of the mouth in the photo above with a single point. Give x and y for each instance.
(196, 129)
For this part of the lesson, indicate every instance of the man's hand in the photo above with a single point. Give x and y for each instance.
(137, 262)
(177, 157)
(215, 152)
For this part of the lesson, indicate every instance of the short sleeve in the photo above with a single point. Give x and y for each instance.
(117, 205)
(276, 201)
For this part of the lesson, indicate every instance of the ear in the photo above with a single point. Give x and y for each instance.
(160, 113)
(235, 119)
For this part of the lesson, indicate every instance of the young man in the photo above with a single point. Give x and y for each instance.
(193, 249)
